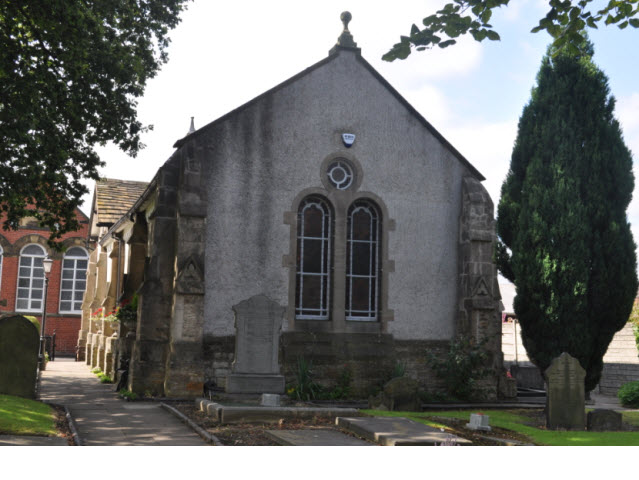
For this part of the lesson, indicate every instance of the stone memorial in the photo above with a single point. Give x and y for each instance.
(19, 344)
(565, 398)
(258, 323)
(398, 394)
(602, 420)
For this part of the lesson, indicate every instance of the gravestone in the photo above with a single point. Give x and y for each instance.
(398, 394)
(258, 323)
(565, 399)
(602, 420)
(19, 344)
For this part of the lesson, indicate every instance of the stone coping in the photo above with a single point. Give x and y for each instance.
(254, 413)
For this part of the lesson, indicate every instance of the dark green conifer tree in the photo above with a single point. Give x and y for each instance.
(565, 240)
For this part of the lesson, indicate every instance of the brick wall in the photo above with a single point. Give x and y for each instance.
(66, 326)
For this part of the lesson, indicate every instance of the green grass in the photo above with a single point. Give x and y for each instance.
(512, 421)
(21, 416)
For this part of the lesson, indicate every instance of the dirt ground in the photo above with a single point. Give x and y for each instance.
(253, 434)
(62, 424)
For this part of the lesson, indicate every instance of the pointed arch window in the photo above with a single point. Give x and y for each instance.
(362, 261)
(73, 281)
(30, 279)
(314, 238)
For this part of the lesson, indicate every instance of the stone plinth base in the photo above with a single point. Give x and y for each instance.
(253, 383)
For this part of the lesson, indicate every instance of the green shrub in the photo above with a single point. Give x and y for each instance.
(105, 378)
(124, 393)
(460, 369)
(628, 394)
(96, 370)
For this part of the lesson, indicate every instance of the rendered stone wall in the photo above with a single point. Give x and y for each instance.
(261, 158)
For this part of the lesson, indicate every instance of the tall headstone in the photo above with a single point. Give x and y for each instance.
(565, 400)
(258, 323)
(19, 344)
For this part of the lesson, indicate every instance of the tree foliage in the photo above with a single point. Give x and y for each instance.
(565, 22)
(562, 214)
(70, 74)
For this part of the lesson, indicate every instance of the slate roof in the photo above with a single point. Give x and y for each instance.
(114, 198)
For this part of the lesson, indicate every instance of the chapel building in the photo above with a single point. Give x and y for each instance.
(327, 204)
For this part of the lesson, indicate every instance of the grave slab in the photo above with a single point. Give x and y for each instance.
(397, 431)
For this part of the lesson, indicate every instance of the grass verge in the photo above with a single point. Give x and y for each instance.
(21, 416)
(517, 421)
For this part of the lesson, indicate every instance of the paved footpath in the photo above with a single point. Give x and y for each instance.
(104, 419)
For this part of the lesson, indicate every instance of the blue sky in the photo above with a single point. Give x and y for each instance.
(224, 54)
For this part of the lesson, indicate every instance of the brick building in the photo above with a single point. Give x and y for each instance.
(22, 278)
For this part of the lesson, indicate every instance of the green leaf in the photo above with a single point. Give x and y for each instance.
(492, 35)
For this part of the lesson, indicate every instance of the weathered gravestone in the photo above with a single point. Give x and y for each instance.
(399, 394)
(602, 420)
(565, 400)
(19, 344)
(258, 322)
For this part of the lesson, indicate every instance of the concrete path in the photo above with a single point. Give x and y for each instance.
(102, 418)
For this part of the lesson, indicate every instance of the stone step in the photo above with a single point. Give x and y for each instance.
(397, 431)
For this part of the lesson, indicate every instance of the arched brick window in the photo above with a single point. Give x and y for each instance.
(30, 279)
(314, 238)
(362, 261)
(73, 282)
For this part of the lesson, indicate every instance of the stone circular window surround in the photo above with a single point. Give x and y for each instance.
(341, 172)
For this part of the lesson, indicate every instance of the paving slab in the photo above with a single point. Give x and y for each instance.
(102, 418)
(316, 437)
(397, 431)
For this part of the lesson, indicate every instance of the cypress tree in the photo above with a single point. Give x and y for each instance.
(565, 241)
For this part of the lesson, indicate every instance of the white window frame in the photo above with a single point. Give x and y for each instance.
(371, 314)
(325, 261)
(32, 278)
(73, 279)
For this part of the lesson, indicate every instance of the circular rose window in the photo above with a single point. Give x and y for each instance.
(340, 175)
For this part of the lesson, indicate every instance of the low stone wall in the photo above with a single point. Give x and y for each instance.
(370, 358)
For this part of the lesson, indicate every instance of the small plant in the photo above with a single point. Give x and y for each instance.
(343, 387)
(129, 396)
(399, 370)
(105, 378)
(128, 312)
(96, 370)
(305, 387)
(628, 394)
(460, 369)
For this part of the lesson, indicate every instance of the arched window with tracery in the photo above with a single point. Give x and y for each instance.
(362, 261)
(30, 279)
(73, 281)
(314, 239)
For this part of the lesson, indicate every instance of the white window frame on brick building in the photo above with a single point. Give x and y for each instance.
(30, 287)
(73, 280)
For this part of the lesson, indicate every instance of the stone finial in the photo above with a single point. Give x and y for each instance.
(192, 127)
(345, 40)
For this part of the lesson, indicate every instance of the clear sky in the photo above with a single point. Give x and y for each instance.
(223, 54)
